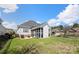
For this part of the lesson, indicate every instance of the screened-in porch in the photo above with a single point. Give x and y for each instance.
(37, 32)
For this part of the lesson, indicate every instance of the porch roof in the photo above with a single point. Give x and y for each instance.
(40, 26)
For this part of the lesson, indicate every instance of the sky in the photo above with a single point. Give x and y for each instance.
(53, 14)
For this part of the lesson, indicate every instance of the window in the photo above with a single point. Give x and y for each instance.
(25, 30)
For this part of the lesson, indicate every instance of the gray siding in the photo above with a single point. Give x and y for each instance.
(2, 30)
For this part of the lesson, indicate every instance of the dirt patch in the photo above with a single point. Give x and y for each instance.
(62, 48)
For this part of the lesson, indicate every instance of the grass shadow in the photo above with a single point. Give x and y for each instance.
(5, 40)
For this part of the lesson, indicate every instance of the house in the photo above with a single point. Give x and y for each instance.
(57, 31)
(2, 28)
(73, 32)
(41, 31)
(10, 31)
(31, 29)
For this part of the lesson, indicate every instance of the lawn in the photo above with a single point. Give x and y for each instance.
(51, 45)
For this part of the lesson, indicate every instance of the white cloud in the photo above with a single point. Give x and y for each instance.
(54, 22)
(70, 15)
(7, 8)
(9, 25)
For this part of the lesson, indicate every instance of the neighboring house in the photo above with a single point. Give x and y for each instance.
(9, 31)
(33, 29)
(73, 31)
(57, 32)
(2, 28)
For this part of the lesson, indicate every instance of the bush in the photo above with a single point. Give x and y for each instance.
(30, 49)
(4, 38)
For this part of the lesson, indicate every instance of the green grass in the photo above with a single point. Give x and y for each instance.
(46, 45)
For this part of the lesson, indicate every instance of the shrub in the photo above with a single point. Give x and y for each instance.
(30, 49)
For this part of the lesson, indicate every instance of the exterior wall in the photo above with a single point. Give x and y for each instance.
(2, 33)
(20, 32)
(2, 30)
(39, 32)
(46, 31)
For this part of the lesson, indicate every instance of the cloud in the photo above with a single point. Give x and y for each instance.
(54, 22)
(70, 15)
(9, 25)
(8, 8)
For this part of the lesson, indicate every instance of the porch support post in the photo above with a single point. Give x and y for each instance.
(19, 36)
(40, 32)
(37, 33)
(34, 33)
(50, 31)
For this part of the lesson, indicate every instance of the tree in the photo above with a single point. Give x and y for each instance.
(75, 25)
(66, 30)
(61, 27)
